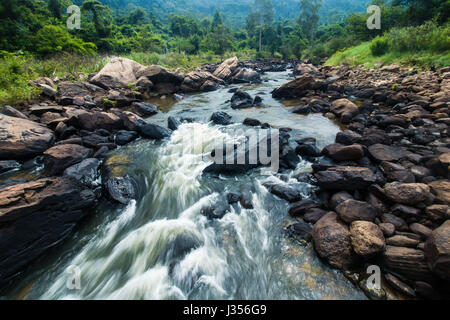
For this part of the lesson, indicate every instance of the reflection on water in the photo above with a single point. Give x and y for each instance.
(162, 247)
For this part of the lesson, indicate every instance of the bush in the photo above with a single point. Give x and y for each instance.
(379, 46)
(54, 39)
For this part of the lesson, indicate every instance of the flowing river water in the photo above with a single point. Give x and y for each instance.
(162, 247)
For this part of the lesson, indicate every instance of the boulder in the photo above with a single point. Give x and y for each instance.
(287, 193)
(246, 76)
(345, 178)
(86, 172)
(119, 72)
(300, 230)
(437, 251)
(314, 214)
(252, 122)
(99, 120)
(21, 138)
(298, 87)
(340, 152)
(407, 261)
(353, 210)
(217, 210)
(124, 137)
(300, 208)
(423, 231)
(441, 189)
(402, 241)
(60, 157)
(407, 193)
(332, 242)
(388, 229)
(367, 238)
(154, 132)
(344, 109)
(12, 112)
(347, 137)
(122, 189)
(225, 70)
(241, 100)
(144, 109)
(381, 152)
(197, 81)
(34, 217)
(164, 81)
(221, 118)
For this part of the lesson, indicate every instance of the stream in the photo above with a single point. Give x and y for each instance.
(162, 247)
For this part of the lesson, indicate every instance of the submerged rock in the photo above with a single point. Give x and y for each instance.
(221, 118)
(122, 189)
(154, 132)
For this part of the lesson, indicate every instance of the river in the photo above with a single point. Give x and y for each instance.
(162, 247)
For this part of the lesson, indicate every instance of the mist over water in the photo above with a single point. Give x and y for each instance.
(162, 247)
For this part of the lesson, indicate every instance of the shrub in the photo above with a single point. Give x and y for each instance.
(379, 46)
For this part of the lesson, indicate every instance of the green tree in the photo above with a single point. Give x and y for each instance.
(99, 13)
(219, 41)
(309, 17)
(217, 20)
(55, 7)
(260, 16)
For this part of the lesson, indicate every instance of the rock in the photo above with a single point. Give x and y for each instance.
(441, 189)
(304, 68)
(144, 109)
(352, 210)
(298, 87)
(173, 123)
(164, 81)
(340, 152)
(345, 178)
(339, 197)
(437, 251)
(372, 291)
(301, 230)
(13, 112)
(246, 199)
(399, 285)
(367, 238)
(21, 138)
(332, 242)
(95, 120)
(8, 165)
(36, 216)
(124, 137)
(217, 210)
(347, 137)
(197, 81)
(94, 141)
(308, 150)
(233, 198)
(252, 122)
(406, 261)
(122, 189)
(394, 68)
(241, 100)
(344, 109)
(60, 157)
(246, 76)
(227, 67)
(438, 212)
(131, 121)
(402, 241)
(314, 214)
(86, 172)
(300, 208)
(421, 230)
(399, 223)
(221, 118)
(381, 152)
(387, 228)
(407, 193)
(287, 193)
(119, 72)
(154, 132)
(425, 290)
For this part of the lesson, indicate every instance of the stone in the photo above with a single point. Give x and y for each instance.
(164, 81)
(441, 189)
(332, 242)
(119, 72)
(252, 122)
(60, 157)
(124, 137)
(402, 241)
(367, 238)
(144, 109)
(381, 152)
(221, 118)
(217, 210)
(399, 285)
(287, 193)
(347, 137)
(173, 123)
(353, 210)
(122, 189)
(314, 214)
(12, 112)
(300, 208)
(407, 193)
(246, 76)
(241, 100)
(21, 138)
(421, 230)
(95, 120)
(345, 178)
(340, 152)
(388, 229)
(399, 223)
(406, 261)
(227, 67)
(86, 172)
(8, 165)
(438, 212)
(301, 230)
(154, 132)
(344, 109)
(36, 216)
(298, 87)
(437, 251)
(197, 81)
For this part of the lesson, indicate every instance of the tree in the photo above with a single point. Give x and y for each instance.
(54, 6)
(309, 17)
(137, 16)
(218, 41)
(261, 15)
(98, 11)
(217, 20)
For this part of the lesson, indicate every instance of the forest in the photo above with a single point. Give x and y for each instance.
(184, 36)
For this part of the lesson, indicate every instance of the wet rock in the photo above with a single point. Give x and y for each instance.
(252, 122)
(381, 152)
(388, 229)
(300, 208)
(406, 261)
(332, 242)
(36, 216)
(154, 132)
(177, 248)
(197, 81)
(405, 211)
(344, 109)
(441, 189)
(246, 200)
(437, 250)
(8, 165)
(124, 137)
(241, 100)
(345, 178)
(131, 121)
(402, 241)
(164, 81)
(425, 290)
(287, 193)
(233, 198)
(86, 172)
(173, 123)
(372, 291)
(246, 76)
(399, 285)
(12, 112)
(314, 214)
(217, 210)
(340, 152)
(407, 193)
(122, 189)
(221, 118)
(94, 141)
(21, 138)
(95, 120)
(60, 157)
(144, 109)
(367, 238)
(353, 210)
(301, 230)
(298, 87)
(101, 153)
(307, 148)
(339, 197)
(347, 137)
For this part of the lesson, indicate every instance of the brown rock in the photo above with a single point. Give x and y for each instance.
(345, 178)
(387, 228)
(421, 230)
(381, 152)
(438, 212)
(298, 87)
(437, 250)
(367, 238)
(99, 120)
(399, 285)
(402, 241)
(407, 193)
(407, 261)
(63, 156)
(340, 152)
(441, 189)
(353, 210)
(344, 109)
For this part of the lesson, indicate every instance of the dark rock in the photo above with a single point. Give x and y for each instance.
(173, 123)
(340, 152)
(300, 208)
(233, 198)
(122, 189)
(144, 109)
(301, 230)
(345, 178)
(252, 122)
(387, 228)
(402, 241)
(94, 141)
(60, 157)
(352, 210)
(339, 197)
(86, 172)
(8, 165)
(287, 193)
(347, 137)
(408, 262)
(381, 152)
(95, 120)
(221, 118)
(314, 214)
(217, 210)
(399, 285)
(399, 223)
(241, 100)
(124, 137)
(407, 193)
(154, 132)
(437, 250)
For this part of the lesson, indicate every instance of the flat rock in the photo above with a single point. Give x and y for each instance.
(345, 178)
(407, 193)
(60, 157)
(407, 261)
(437, 250)
(381, 152)
(353, 210)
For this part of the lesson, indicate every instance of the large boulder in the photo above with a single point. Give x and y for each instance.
(246, 76)
(241, 100)
(407, 261)
(21, 138)
(197, 81)
(62, 156)
(299, 87)
(437, 251)
(86, 172)
(353, 210)
(154, 132)
(407, 193)
(345, 178)
(99, 120)
(367, 238)
(332, 241)
(225, 70)
(36, 216)
(221, 118)
(122, 189)
(119, 72)
(164, 81)
(344, 109)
